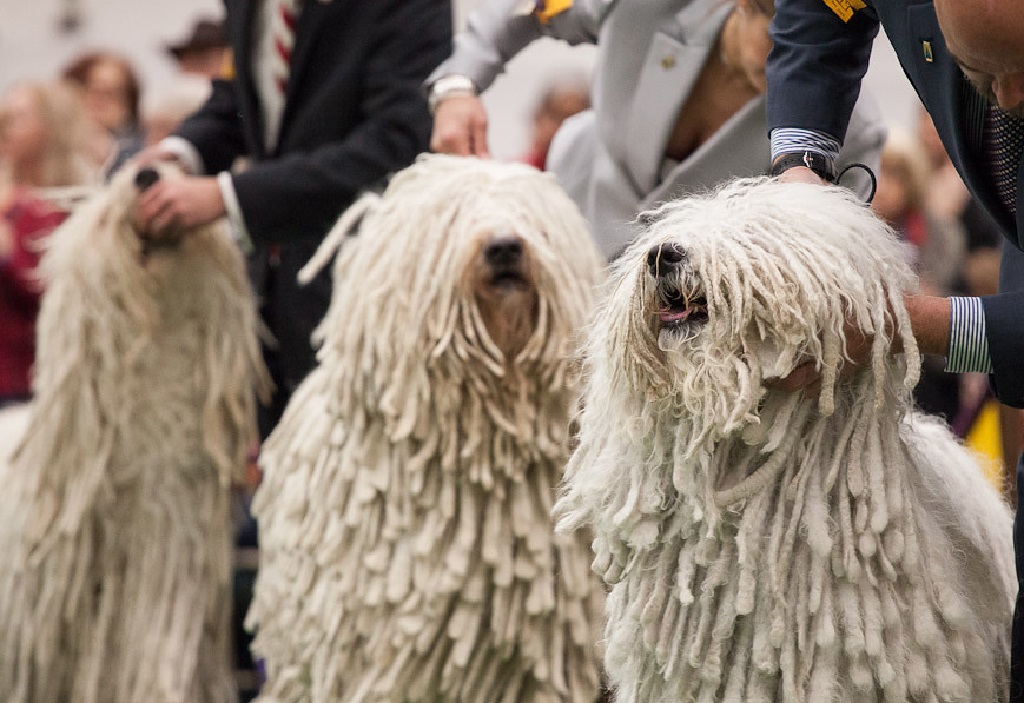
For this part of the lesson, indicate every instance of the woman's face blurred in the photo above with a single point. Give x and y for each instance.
(23, 132)
(105, 95)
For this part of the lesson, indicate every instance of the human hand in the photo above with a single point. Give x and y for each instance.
(929, 318)
(460, 126)
(174, 204)
(807, 376)
(858, 354)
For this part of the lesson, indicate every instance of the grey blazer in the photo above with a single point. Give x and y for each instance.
(650, 53)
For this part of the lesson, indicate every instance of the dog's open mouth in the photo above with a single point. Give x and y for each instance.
(508, 278)
(681, 309)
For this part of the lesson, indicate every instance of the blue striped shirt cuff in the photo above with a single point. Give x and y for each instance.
(968, 345)
(787, 140)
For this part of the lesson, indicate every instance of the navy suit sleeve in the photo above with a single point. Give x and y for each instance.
(1004, 328)
(216, 129)
(412, 38)
(816, 65)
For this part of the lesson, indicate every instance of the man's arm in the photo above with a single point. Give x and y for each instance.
(207, 142)
(1004, 328)
(814, 73)
(215, 130)
(499, 29)
(496, 32)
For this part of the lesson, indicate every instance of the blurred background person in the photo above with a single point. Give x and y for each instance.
(204, 52)
(44, 143)
(112, 95)
(948, 198)
(563, 98)
(938, 248)
(166, 106)
(200, 58)
(678, 100)
(938, 240)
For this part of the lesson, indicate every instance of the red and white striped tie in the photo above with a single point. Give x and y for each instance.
(285, 18)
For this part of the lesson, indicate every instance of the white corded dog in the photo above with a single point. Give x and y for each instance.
(115, 534)
(407, 552)
(769, 546)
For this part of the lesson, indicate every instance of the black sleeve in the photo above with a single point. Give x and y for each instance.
(216, 129)
(816, 65)
(1004, 328)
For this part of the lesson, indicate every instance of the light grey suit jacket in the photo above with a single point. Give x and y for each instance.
(650, 53)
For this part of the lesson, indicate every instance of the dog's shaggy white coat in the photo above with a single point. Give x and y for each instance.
(13, 421)
(115, 529)
(407, 551)
(764, 546)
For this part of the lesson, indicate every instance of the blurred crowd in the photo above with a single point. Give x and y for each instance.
(62, 138)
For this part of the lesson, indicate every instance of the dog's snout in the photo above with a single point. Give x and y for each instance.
(146, 177)
(664, 257)
(503, 251)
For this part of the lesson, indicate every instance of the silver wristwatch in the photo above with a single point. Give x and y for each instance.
(447, 86)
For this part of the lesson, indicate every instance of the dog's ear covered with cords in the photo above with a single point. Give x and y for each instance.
(760, 545)
(115, 529)
(407, 548)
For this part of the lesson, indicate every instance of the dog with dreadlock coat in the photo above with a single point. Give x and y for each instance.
(826, 545)
(407, 552)
(115, 529)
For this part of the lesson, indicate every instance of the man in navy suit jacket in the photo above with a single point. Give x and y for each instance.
(965, 58)
(352, 112)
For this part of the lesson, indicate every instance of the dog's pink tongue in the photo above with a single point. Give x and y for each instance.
(674, 315)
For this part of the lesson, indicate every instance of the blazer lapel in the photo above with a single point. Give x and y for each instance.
(674, 61)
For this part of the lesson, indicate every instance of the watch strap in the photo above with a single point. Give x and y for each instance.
(819, 163)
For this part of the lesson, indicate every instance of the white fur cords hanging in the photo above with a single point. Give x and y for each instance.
(114, 520)
(772, 547)
(407, 551)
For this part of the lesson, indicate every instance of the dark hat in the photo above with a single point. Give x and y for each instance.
(206, 35)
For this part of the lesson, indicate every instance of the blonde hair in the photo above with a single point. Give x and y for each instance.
(66, 158)
(906, 156)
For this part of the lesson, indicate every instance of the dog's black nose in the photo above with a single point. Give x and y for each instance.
(146, 177)
(664, 257)
(503, 251)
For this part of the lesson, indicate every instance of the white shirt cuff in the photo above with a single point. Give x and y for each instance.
(186, 154)
(239, 232)
(786, 140)
(968, 344)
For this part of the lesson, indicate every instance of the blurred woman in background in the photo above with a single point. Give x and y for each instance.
(111, 94)
(44, 143)
(678, 100)
(938, 250)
